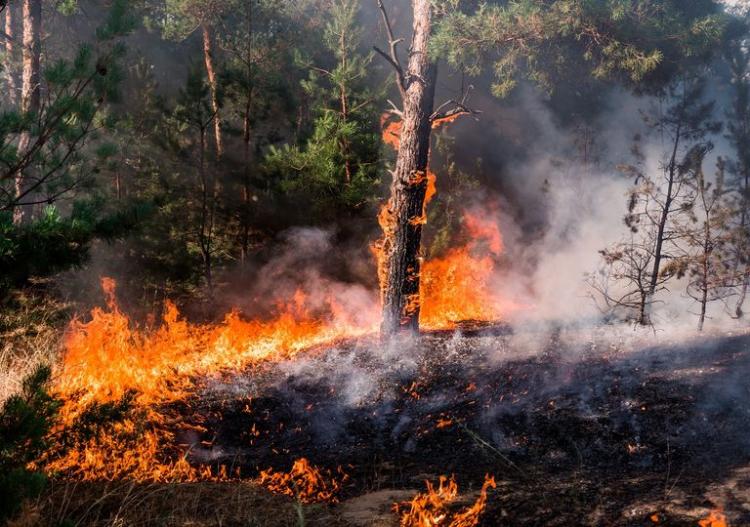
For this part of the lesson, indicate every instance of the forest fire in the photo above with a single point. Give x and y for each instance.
(553, 315)
(431, 508)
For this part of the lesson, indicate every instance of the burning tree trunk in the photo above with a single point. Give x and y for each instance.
(405, 209)
(30, 90)
(208, 58)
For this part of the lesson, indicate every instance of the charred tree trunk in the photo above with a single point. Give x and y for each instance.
(10, 52)
(208, 58)
(406, 205)
(30, 91)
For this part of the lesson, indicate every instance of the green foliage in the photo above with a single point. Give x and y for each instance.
(338, 165)
(25, 422)
(53, 243)
(56, 159)
(633, 40)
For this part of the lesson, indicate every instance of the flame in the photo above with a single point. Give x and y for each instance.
(431, 508)
(391, 130)
(110, 356)
(456, 286)
(715, 519)
(304, 482)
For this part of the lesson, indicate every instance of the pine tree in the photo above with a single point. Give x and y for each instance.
(338, 165)
(660, 201)
(180, 18)
(738, 166)
(706, 238)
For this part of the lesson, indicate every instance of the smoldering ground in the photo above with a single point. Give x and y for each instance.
(583, 427)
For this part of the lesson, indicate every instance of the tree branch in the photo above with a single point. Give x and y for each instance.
(392, 58)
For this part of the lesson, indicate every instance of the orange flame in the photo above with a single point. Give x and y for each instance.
(304, 482)
(110, 356)
(431, 508)
(457, 286)
(715, 519)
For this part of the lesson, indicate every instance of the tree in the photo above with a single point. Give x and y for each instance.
(338, 166)
(180, 19)
(194, 112)
(255, 44)
(30, 94)
(50, 159)
(9, 59)
(738, 167)
(659, 203)
(710, 273)
(405, 208)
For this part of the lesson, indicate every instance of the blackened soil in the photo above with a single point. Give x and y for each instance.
(584, 434)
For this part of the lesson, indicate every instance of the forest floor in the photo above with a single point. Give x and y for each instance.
(578, 428)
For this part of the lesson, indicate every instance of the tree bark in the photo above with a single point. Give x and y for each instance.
(208, 58)
(30, 91)
(406, 205)
(10, 52)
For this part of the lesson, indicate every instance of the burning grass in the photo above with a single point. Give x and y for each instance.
(432, 508)
(578, 435)
(305, 482)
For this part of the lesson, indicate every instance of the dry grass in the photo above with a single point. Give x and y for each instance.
(31, 328)
(203, 504)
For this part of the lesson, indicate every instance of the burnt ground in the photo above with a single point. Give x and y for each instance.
(578, 430)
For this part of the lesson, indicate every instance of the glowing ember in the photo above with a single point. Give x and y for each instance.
(304, 482)
(715, 519)
(431, 508)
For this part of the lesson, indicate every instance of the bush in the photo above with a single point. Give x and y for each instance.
(25, 422)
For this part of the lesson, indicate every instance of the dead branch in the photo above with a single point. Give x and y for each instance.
(392, 57)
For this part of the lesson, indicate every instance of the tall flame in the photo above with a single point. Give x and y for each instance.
(456, 286)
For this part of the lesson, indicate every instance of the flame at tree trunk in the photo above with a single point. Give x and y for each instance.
(456, 286)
